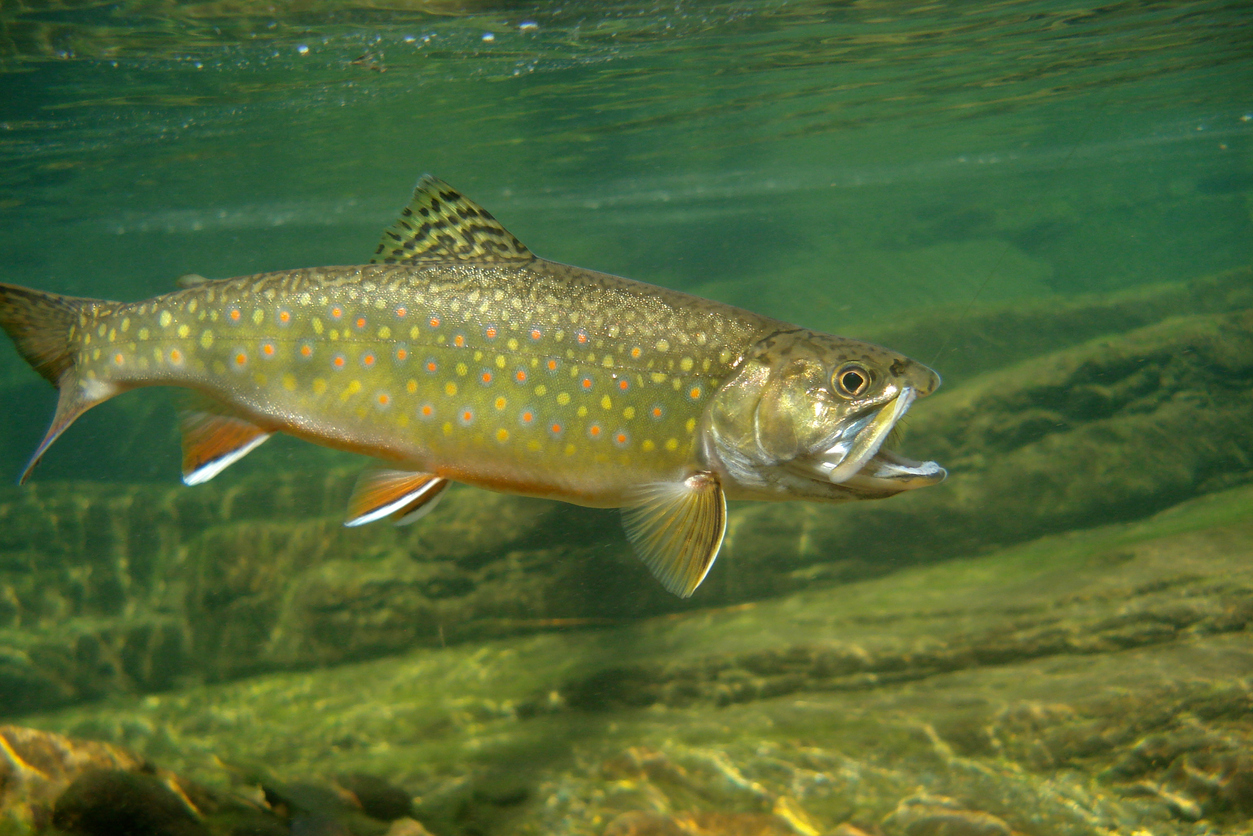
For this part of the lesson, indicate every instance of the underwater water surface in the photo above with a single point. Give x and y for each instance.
(1051, 204)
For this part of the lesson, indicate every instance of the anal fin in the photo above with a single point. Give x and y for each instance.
(677, 529)
(404, 495)
(213, 442)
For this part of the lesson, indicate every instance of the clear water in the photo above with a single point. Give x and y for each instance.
(854, 167)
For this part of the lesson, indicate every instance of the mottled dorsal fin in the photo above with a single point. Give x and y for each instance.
(441, 224)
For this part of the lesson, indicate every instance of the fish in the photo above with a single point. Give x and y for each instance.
(457, 355)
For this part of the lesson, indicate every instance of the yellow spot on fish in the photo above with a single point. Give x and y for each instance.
(259, 378)
(86, 339)
(563, 398)
(672, 444)
(533, 445)
(500, 361)
(541, 390)
(258, 316)
(607, 362)
(447, 428)
(102, 330)
(582, 412)
(501, 403)
(317, 326)
(402, 419)
(606, 403)
(569, 450)
(144, 333)
(192, 305)
(95, 354)
(462, 370)
(450, 388)
(690, 425)
(165, 319)
(502, 435)
(385, 333)
(289, 382)
(663, 345)
(353, 387)
(413, 332)
(686, 364)
(112, 335)
(319, 386)
(647, 445)
(657, 377)
(628, 413)
(411, 386)
(206, 339)
(512, 344)
(184, 331)
(126, 323)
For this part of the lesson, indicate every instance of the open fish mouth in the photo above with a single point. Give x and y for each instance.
(857, 458)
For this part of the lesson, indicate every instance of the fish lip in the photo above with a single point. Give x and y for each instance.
(856, 458)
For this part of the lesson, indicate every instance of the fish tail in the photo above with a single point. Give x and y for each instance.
(44, 327)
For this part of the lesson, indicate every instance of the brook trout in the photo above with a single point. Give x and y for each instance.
(456, 355)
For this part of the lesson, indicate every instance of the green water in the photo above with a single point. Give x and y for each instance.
(1052, 204)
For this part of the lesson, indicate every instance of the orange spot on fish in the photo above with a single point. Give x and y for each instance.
(402, 312)
(552, 365)
(528, 416)
(339, 361)
(401, 354)
(620, 438)
(119, 359)
(624, 384)
(241, 358)
(467, 415)
(581, 336)
(361, 322)
(586, 383)
(367, 360)
(490, 331)
(284, 317)
(459, 341)
(486, 376)
(594, 430)
(694, 393)
(427, 410)
(337, 312)
(520, 375)
(432, 366)
(384, 399)
(267, 349)
(536, 333)
(555, 429)
(235, 314)
(635, 352)
(657, 412)
(435, 322)
(176, 356)
(306, 351)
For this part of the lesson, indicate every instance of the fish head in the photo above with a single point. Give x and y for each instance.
(807, 417)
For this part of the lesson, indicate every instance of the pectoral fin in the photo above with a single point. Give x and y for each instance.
(677, 529)
(401, 494)
(213, 442)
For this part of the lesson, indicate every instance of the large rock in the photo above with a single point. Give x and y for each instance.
(1066, 415)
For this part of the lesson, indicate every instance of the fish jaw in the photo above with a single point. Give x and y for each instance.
(784, 429)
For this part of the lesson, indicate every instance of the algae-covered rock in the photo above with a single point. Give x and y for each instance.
(1064, 416)
(1084, 683)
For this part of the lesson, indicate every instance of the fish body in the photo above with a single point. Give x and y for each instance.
(462, 357)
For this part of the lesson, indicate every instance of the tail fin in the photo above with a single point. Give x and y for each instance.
(42, 326)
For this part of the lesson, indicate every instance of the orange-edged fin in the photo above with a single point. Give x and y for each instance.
(213, 442)
(381, 493)
(677, 529)
(42, 326)
(421, 506)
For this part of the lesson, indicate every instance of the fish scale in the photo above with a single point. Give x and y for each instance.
(461, 356)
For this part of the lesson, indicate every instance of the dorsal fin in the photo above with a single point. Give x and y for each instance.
(190, 280)
(441, 224)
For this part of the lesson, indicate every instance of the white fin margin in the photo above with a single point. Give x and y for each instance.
(212, 468)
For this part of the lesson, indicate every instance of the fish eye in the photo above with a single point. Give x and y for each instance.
(851, 380)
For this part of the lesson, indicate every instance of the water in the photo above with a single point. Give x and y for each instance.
(1052, 204)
